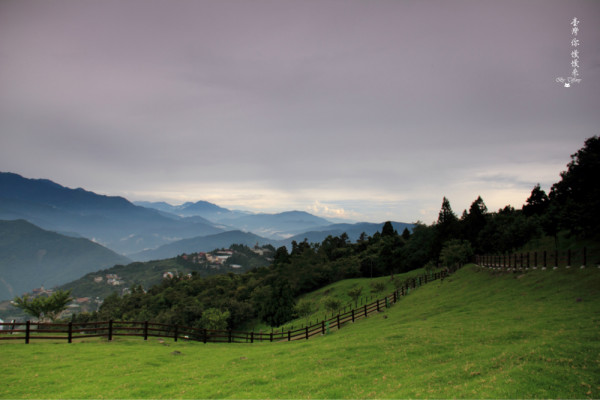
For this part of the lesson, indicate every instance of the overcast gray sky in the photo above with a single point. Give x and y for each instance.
(362, 109)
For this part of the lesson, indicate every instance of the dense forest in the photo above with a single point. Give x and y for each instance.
(268, 293)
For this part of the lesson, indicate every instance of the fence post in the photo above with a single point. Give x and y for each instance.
(110, 330)
(271, 336)
(205, 338)
(338, 321)
(365, 310)
(545, 260)
(145, 330)
(353, 315)
(252, 337)
(289, 336)
(377, 305)
(522, 262)
(27, 330)
(230, 336)
(395, 297)
(306, 333)
(70, 338)
(176, 332)
(323, 327)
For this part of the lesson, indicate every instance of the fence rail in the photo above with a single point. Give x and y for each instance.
(581, 258)
(29, 331)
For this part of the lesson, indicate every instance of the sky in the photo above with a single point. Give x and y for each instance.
(366, 110)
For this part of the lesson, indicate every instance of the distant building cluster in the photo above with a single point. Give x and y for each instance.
(214, 260)
(41, 291)
(171, 275)
(111, 279)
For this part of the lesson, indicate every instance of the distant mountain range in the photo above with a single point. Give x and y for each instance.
(112, 221)
(353, 231)
(273, 226)
(201, 208)
(225, 239)
(201, 244)
(31, 257)
(150, 230)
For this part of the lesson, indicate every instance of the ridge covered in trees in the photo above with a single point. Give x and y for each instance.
(268, 293)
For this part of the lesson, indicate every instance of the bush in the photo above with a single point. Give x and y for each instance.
(214, 319)
(332, 304)
(456, 252)
(377, 287)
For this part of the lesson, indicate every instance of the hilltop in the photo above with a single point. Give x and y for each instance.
(236, 259)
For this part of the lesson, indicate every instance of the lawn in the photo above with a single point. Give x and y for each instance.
(475, 335)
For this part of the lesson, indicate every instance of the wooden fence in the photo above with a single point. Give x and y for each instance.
(581, 258)
(28, 331)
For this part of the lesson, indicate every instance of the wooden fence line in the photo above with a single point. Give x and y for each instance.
(70, 331)
(539, 259)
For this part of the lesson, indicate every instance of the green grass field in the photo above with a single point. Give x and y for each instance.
(474, 335)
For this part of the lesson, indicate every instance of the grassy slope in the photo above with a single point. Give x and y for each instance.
(475, 335)
(339, 290)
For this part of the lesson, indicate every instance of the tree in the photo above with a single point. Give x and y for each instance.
(354, 293)
(332, 304)
(537, 203)
(456, 252)
(446, 227)
(281, 256)
(377, 287)
(405, 234)
(277, 305)
(446, 216)
(305, 308)
(578, 193)
(44, 307)
(214, 319)
(299, 248)
(420, 248)
(388, 230)
(474, 222)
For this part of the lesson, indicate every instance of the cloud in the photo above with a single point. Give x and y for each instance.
(378, 109)
(327, 211)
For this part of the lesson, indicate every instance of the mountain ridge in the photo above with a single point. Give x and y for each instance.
(110, 220)
(31, 256)
(201, 244)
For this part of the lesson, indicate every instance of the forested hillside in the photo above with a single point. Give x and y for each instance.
(144, 275)
(269, 292)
